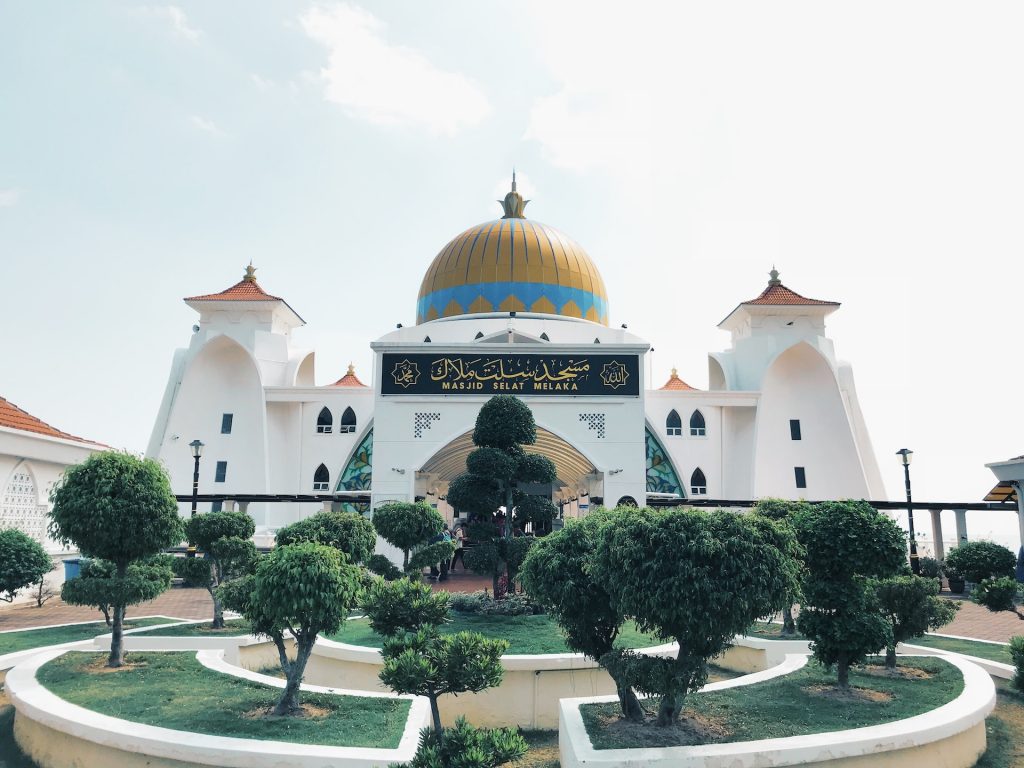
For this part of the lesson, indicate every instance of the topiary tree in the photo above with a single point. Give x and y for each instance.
(697, 577)
(352, 534)
(782, 510)
(846, 544)
(412, 528)
(912, 606)
(979, 560)
(558, 575)
(23, 562)
(1017, 654)
(120, 508)
(99, 585)
(225, 539)
(420, 660)
(305, 588)
(464, 746)
(998, 594)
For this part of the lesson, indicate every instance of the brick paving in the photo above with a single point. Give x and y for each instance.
(975, 621)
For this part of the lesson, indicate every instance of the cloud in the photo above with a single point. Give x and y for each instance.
(388, 84)
(206, 126)
(9, 197)
(176, 17)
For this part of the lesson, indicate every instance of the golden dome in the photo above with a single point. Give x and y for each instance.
(512, 264)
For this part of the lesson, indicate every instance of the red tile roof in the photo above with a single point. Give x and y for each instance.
(349, 379)
(12, 417)
(246, 289)
(778, 294)
(674, 382)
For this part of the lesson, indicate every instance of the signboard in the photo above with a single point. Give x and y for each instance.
(476, 374)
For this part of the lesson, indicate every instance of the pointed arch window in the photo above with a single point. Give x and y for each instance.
(674, 424)
(325, 421)
(698, 483)
(348, 421)
(321, 479)
(697, 426)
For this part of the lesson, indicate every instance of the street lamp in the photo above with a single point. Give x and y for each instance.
(197, 452)
(905, 455)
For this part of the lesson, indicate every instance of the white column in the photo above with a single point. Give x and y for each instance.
(1020, 509)
(940, 553)
(229, 505)
(961, 525)
(327, 505)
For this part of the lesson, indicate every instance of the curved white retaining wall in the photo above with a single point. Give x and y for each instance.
(952, 736)
(57, 734)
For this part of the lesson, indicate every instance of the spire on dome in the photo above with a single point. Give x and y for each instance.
(674, 382)
(513, 204)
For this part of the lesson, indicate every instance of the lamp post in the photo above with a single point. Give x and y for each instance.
(197, 452)
(905, 455)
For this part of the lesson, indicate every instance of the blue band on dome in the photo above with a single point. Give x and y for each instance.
(496, 293)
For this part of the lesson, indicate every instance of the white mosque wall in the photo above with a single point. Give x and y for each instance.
(738, 430)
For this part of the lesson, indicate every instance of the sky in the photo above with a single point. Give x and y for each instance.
(871, 151)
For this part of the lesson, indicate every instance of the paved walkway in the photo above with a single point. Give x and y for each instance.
(975, 621)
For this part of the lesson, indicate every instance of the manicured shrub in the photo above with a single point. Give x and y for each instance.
(912, 606)
(846, 544)
(224, 538)
(120, 508)
(352, 534)
(930, 567)
(463, 746)
(382, 566)
(558, 573)
(996, 594)
(699, 578)
(394, 608)
(411, 527)
(978, 560)
(480, 603)
(98, 585)
(23, 561)
(782, 511)
(1017, 654)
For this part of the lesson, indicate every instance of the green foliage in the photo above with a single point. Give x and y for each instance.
(996, 594)
(431, 554)
(395, 607)
(100, 586)
(236, 595)
(504, 422)
(346, 531)
(464, 746)
(209, 527)
(698, 577)
(480, 603)
(930, 567)
(23, 561)
(1017, 653)
(779, 509)
(475, 495)
(911, 606)
(978, 560)
(534, 509)
(408, 527)
(382, 566)
(117, 507)
(847, 543)
(229, 553)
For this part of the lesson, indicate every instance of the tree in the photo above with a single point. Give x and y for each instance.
(697, 577)
(304, 588)
(782, 510)
(846, 543)
(120, 508)
(352, 534)
(978, 560)
(464, 746)
(912, 606)
(411, 527)
(23, 562)
(997, 594)
(418, 659)
(225, 538)
(558, 575)
(100, 586)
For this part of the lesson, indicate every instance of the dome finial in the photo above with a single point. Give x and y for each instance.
(250, 273)
(351, 369)
(774, 275)
(513, 204)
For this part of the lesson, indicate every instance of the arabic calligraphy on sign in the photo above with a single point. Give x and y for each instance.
(406, 373)
(614, 374)
(507, 373)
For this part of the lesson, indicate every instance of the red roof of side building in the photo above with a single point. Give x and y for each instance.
(778, 294)
(13, 417)
(349, 379)
(674, 382)
(246, 289)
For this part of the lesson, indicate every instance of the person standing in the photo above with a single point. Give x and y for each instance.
(460, 538)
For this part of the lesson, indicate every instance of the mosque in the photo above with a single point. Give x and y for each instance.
(512, 306)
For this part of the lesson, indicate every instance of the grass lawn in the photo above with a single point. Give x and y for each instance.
(1004, 729)
(767, 630)
(526, 634)
(37, 638)
(173, 690)
(988, 651)
(786, 706)
(232, 628)
(10, 755)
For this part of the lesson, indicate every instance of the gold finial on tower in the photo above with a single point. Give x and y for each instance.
(250, 274)
(774, 275)
(675, 373)
(351, 370)
(513, 204)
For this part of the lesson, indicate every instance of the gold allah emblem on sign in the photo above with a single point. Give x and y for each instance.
(406, 373)
(614, 374)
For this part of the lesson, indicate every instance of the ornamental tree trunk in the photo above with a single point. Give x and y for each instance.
(116, 657)
(288, 704)
(843, 672)
(435, 715)
(218, 608)
(788, 622)
(508, 512)
(628, 702)
(890, 657)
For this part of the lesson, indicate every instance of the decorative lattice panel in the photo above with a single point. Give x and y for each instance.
(594, 422)
(421, 422)
(20, 507)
